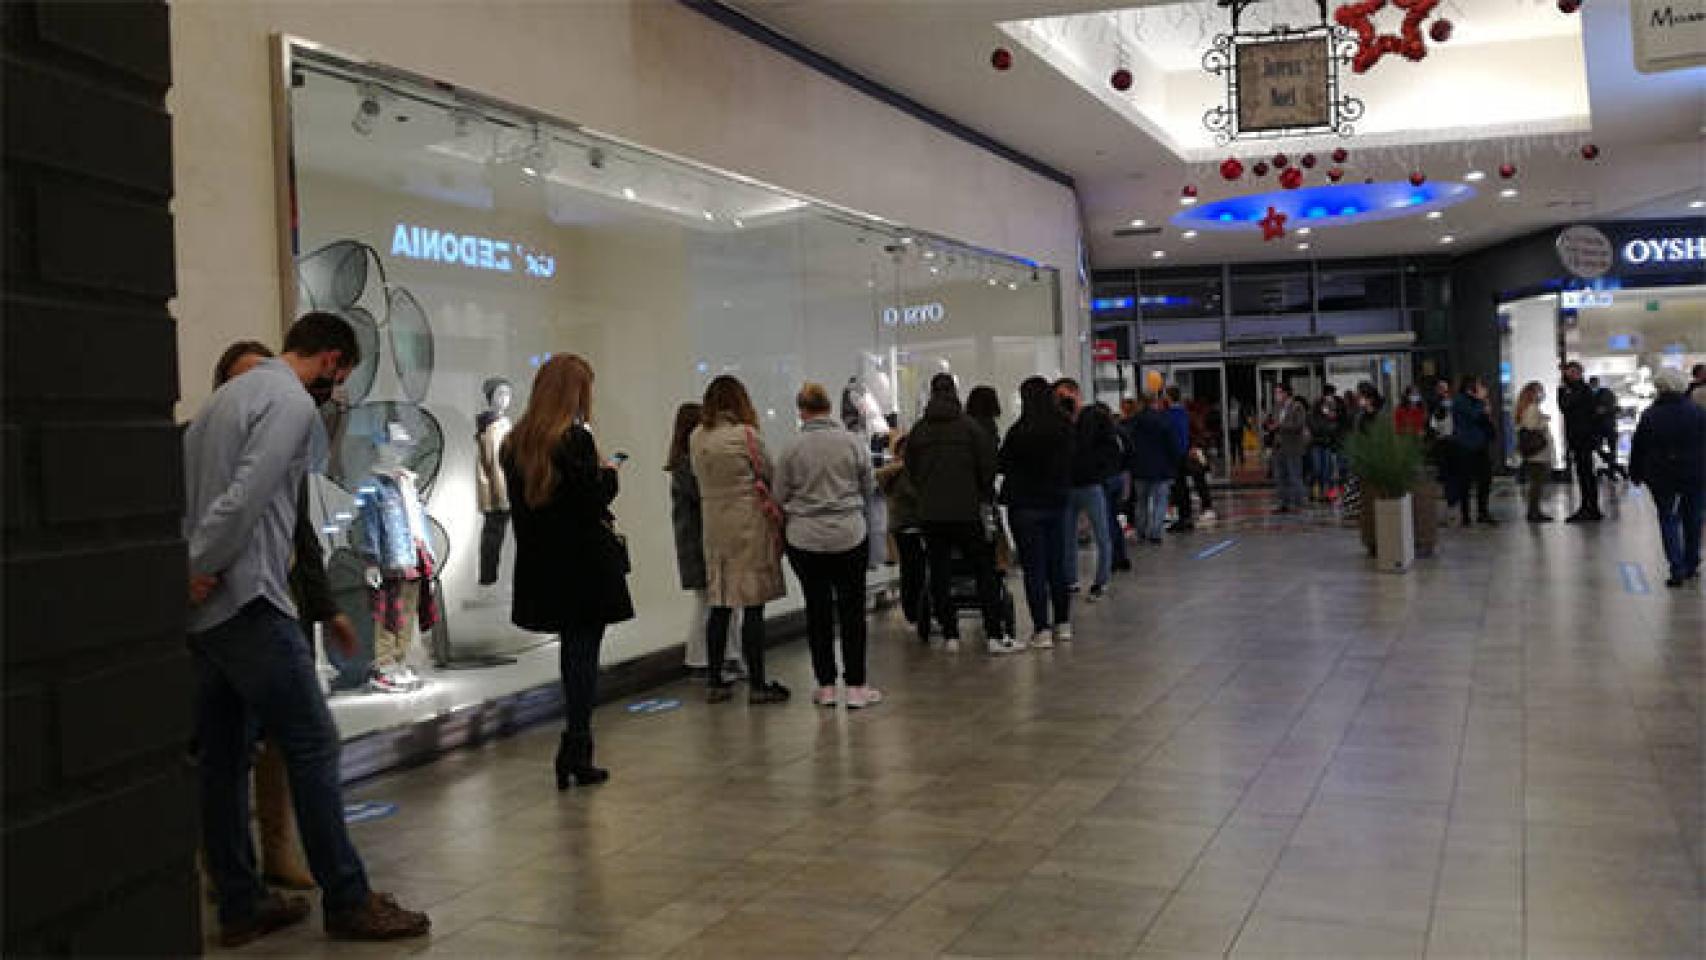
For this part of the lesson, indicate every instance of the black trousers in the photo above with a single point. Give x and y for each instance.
(577, 660)
(912, 574)
(1477, 474)
(751, 642)
(1182, 483)
(942, 540)
(492, 544)
(1586, 479)
(834, 585)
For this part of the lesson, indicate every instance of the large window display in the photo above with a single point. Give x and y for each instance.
(468, 242)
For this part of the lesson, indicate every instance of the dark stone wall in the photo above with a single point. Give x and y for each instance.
(100, 807)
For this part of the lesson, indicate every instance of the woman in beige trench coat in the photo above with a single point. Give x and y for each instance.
(743, 542)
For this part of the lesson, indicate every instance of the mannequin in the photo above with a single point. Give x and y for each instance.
(490, 429)
(391, 535)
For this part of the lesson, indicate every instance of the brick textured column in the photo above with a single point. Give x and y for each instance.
(100, 810)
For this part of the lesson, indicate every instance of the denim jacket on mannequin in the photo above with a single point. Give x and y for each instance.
(385, 526)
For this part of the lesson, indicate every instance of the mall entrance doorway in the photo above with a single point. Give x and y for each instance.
(1250, 391)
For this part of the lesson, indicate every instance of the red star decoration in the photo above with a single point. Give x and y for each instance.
(1371, 45)
(1273, 225)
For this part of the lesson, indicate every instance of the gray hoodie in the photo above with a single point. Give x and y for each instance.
(822, 483)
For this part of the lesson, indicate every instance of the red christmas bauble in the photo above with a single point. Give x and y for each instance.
(1231, 168)
(1340, 155)
(1507, 171)
(1291, 178)
(1281, 161)
(1440, 32)
(1121, 80)
(1260, 169)
(1569, 6)
(1001, 59)
(1418, 178)
(1335, 174)
(1190, 190)
(1308, 161)
(1590, 152)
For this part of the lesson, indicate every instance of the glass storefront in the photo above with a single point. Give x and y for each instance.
(468, 242)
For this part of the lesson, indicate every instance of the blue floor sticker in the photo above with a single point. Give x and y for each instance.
(1216, 550)
(372, 810)
(1634, 580)
(654, 706)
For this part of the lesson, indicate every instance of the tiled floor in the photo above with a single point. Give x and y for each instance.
(1273, 751)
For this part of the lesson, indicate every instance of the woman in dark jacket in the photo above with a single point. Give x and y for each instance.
(570, 566)
(1472, 436)
(1669, 456)
(1036, 462)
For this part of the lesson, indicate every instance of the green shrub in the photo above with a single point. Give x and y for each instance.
(1389, 463)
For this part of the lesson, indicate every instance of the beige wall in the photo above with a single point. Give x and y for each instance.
(654, 73)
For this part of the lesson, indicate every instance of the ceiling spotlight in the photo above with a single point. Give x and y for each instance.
(1303, 246)
(1435, 214)
(1157, 254)
(739, 224)
(1448, 238)
(1187, 201)
(1507, 193)
(1475, 176)
(536, 157)
(1189, 234)
(935, 270)
(366, 110)
(929, 254)
(1139, 223)
(1012, 284)
(1697, 204)
(1305, 231)
(629, 194)
(709, 215)
(993, 281)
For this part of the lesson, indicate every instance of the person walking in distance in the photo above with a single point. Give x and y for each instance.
(1534, 446)
(1473, 434)
(1291, 443)
(1036, 464)
(1095, 457)
(1669, 457)
(1154, 461)
(1581, 434)
(951, 462)
(246, 455)
(822, 482)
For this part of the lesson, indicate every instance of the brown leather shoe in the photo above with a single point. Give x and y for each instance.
(273, 913)
(380, 918)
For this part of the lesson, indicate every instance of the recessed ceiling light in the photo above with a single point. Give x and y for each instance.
(709, 215)
(1475, 176)
(1305, 231)
(1303, 246)
(629, 193)
(1448, 238)
(993, 281)
(935, 270)
(1187, 201)
(1012, 284)
(1139, 223)
(1157, 254)
(740, 224)
(1507, 193)
(929, 254)
(1435, 214)
(1696, 204)
(1190, 234)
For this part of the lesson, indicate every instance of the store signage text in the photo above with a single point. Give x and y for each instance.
(1584, 251)
(1664, 250)
(916, 315)
(470, 250)
(1668, 34)
(1586, 299)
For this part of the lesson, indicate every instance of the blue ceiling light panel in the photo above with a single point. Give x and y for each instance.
(1327, 206)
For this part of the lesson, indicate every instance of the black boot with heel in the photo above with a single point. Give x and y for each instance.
(574, 763)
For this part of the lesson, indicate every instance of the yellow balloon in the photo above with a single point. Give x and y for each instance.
(1153, 382)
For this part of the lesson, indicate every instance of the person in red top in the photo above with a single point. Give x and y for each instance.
(1411, 417)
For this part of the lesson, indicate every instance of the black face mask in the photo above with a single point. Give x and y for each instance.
(321, 390)
(1068, 406)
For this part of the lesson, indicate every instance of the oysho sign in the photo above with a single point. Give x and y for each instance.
(470, 250)
(1644, 250)
(913, 316)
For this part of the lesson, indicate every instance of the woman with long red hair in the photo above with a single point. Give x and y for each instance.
(570, 565)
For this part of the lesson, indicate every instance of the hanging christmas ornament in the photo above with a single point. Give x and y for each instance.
(1417, 178)
(1507, 171)
(1335, 174)
(1001, 59)
(1569, 6)
(1121, 80)
(1590, 152)
(1189, 191)
(1260, 169)
(1231, 168)
(1440, 32)
(1340, 155)
(1358, 18)
(1291, 178)
(1273, 225)
(1308, 161)
(1281, 161)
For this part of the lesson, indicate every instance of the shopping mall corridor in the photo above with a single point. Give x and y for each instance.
(1265, 749)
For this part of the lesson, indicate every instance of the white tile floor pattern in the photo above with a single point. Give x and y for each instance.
(1273, 752)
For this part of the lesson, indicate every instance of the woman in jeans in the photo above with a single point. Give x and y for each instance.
(823, 482)
(743, 535)
(570, 566)
(1036, 464)
(1537, 462)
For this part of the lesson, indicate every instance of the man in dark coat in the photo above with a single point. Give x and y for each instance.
(1669, 456)
(1582, 429)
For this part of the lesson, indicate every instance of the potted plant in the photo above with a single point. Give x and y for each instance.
(1389, 465)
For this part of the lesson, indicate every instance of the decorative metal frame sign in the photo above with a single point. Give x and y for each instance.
(1281, 82)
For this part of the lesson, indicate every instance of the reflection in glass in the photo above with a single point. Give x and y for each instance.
(411, 343)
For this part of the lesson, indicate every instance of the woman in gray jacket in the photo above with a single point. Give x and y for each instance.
(823, 483)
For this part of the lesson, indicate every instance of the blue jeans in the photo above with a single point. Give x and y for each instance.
(1114, 490)
(1679, 526)
(1288, 473)
(1090, 500)
(1037, 533)
(1325, 462)
(1150, 502)
(255, 671)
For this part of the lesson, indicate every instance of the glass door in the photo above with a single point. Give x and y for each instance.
(1202, 389)
(1303, 377)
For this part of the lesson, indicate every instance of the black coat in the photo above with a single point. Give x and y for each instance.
(568, 559)
(1036, 460)
(1669, 450)
(1096, 453)
(951, 461)
(1581, 414)
(1153, 454)
(687, 517)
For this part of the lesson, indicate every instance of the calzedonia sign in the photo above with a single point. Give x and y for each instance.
(472, 251)
(915, 315)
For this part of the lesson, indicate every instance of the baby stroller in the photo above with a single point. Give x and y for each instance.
(962, 592)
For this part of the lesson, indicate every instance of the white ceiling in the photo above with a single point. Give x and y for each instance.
(1651, 129)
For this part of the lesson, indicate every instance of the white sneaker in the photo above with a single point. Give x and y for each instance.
(824, 696)
(1042, 640)
(1063, 632)
(951, 645)
(1208, 515)
(1004, 645)
(858, 698)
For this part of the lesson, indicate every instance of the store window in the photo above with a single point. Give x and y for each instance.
(468, 243)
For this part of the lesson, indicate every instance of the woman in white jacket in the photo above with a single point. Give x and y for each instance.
(1534, 446)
